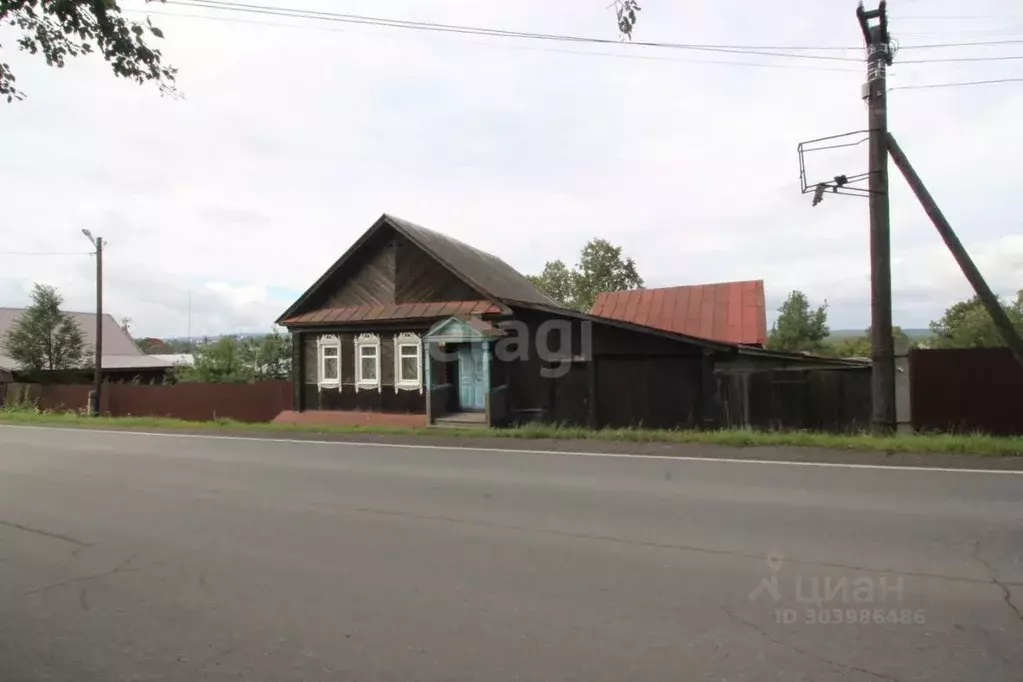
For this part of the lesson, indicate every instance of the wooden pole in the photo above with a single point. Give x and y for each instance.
(875, 92)
(966, 264)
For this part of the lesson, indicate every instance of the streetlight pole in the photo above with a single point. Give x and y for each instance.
(94, 405)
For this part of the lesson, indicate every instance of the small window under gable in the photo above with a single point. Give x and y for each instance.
(367, 361)
(329, 361)
(408, 362)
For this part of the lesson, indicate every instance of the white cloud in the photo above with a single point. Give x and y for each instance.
(292, 140)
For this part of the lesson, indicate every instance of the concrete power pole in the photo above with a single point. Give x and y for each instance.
(874, 24)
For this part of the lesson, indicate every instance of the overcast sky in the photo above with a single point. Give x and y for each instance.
(291, 140)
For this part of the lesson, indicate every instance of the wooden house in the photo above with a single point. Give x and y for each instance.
(411, 321)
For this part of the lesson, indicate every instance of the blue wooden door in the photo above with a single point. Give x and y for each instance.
(472, 382)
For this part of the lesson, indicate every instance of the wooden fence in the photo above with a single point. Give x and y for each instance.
(256, 402)
(966, 390)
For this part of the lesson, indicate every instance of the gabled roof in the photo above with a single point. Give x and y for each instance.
(119, 351)
(489, 275)
(731, 312)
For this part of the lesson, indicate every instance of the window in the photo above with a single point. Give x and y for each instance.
(367, 361)
(329, 353)
(408, 362)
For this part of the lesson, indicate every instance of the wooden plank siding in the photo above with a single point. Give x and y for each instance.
(420, 278)
(393, 271)
(370, 281)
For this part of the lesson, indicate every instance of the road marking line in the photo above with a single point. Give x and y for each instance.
(618, 455)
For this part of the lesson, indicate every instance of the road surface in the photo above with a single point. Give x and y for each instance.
(154, 557)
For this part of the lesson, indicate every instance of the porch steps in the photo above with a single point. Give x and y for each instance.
(462, 420)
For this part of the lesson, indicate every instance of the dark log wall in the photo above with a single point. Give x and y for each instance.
(419, 278)
(384, 399)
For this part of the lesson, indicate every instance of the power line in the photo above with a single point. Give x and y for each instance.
(970, 44)
(956, 85)
(617, 55)
(943, 60)
(753, 50)
(45, 253)
(961, 17)
(759, 50)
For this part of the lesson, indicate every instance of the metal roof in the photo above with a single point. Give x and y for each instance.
(402, 311)
(487, 273)
(731, 312)
(119, 351)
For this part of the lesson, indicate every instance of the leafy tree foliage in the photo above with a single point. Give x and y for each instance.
(45, 338)
(234, 359)
(556, 280)
(58, 29)
(798, 327)
(967, 324)
(626, 11)
(601, 267)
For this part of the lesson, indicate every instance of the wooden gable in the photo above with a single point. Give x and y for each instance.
(388, 269)
(419, 278)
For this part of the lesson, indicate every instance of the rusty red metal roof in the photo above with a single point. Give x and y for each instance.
(732, 312)
(401, 311)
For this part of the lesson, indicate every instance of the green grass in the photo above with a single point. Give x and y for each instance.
(972, 444)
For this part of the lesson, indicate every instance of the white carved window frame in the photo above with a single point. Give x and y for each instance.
(328, 346)
(365, 342)
(403, 341)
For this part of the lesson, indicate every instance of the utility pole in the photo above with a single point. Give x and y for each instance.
(94, 406)
(874, 24)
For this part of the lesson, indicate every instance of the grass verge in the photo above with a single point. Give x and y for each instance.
(960, 444)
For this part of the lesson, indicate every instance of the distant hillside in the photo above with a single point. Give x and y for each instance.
(913, 334)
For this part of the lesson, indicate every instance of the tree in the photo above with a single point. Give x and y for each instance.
(272, 356)
(236, 359)
(626, 11)
(222, 360)
(798, 328)
(45, 338)
(556, 280)
(58, 29)
(601, 267)
(967, 324)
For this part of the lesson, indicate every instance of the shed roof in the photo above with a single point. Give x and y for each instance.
(731, 312)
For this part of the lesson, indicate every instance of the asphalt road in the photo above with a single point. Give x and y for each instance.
(138, 557)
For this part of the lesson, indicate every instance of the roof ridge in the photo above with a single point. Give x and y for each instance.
(684, 286)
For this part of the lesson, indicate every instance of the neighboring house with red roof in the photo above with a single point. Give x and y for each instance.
(730, 312)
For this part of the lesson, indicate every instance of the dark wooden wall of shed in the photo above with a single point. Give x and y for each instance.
(659, 392)
(641, 379)
(835, 400)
